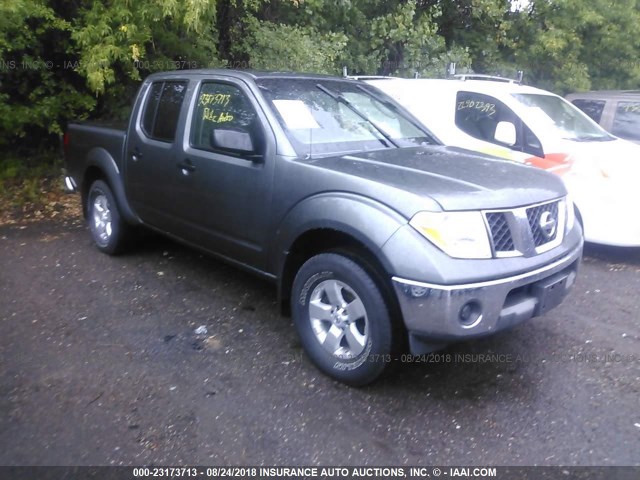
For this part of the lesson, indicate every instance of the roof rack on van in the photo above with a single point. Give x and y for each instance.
(345, 74)
(451, 73)
(368, 77)
(491, 78)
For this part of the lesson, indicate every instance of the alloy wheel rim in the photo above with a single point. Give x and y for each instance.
(102, 219)
(338, 319)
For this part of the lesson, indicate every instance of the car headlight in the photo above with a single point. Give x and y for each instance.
(571, 214)
(458, 234)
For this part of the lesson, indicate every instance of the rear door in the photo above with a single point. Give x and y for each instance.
(153, 154)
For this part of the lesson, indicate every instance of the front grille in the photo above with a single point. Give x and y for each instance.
(527, 231)
(544, 223)
(500, 232)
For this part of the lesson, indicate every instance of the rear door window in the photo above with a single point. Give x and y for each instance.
(162, 110)
(593, 108)
(626, 123)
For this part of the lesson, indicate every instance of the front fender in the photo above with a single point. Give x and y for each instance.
(369, 222)
(101, 159)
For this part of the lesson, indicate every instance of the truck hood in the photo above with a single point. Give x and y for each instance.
(455, 178)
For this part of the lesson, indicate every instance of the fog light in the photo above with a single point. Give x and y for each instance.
(470, 314)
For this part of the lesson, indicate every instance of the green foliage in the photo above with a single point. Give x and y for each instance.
(482, 27)
(282, 47)
(575, 45)
(406, 40)
(121, 38)
(37, 92)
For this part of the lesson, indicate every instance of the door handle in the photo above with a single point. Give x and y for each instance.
(136, 154)
(186, 167)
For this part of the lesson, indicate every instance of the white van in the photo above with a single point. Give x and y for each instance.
(535, 127)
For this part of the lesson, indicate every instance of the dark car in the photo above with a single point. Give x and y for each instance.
(617, 111)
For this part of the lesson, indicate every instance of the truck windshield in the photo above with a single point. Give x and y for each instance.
(333, 117)
(553, 113)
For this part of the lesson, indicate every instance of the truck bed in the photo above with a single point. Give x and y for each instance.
(84, 140)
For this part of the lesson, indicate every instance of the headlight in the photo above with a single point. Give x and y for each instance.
(571, 214)
(458, 234)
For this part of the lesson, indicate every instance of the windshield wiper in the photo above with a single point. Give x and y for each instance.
(340, 98)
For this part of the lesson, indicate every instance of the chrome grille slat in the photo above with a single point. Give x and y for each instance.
(500, 232)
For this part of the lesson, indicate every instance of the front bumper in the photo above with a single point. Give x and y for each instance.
(436, 315)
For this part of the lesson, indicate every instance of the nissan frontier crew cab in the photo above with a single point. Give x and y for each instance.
(372, 230)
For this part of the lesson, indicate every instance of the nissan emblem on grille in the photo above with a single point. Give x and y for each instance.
(548, 224)
(543, 220)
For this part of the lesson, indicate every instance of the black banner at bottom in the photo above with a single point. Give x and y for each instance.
(323, 473)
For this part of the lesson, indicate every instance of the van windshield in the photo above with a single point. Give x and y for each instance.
(332, 117)
(551, 112)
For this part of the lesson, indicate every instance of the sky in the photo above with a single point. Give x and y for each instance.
(517, 5)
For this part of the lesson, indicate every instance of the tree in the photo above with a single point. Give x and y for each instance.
(482, 27)
(38, 90)
(573, 45)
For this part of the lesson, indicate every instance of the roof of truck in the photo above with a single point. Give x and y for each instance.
(245, 74)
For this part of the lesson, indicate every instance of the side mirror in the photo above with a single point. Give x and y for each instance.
(233, 140)
(505, 133)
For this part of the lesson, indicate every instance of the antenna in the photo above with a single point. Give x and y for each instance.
(345, 72)
(416, 75)
(451, 69)
(520, 76)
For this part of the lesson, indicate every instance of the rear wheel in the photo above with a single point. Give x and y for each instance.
(108, 230)
(342, 319)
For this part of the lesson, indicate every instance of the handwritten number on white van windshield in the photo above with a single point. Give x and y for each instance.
(486, 107)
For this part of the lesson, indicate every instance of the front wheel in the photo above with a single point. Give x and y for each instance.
(108, 229)
(342, 319)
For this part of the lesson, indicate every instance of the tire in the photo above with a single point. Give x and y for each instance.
(342, 319)
(108, 230)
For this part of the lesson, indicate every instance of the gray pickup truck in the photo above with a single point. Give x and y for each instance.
(374, 232)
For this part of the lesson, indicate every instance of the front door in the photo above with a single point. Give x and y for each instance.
(228, 187)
